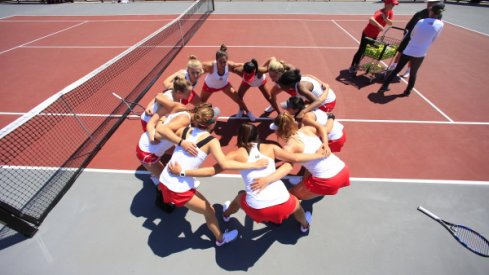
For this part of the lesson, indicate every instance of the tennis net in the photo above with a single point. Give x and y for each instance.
(43, 152)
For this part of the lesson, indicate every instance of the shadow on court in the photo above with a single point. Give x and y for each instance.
(166, 229)
(380, 98)
(253, 243)
(10, 237)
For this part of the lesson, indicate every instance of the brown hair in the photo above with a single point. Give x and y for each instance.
(181, 84)
(223, 51)
(203, 115)
(247, 134)
(286, 126)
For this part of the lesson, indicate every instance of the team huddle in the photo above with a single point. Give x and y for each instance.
(305, 126)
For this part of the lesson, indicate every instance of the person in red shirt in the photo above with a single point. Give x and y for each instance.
(375, 26)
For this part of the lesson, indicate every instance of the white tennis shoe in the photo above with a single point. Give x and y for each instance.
(228, 237)
(309, 220)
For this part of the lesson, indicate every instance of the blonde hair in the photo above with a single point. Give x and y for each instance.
(180, 84)
(276, 66)
(194, 63)
(286, 126)
(203, 115)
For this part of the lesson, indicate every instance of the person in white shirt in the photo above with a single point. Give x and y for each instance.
(324, 176)
(317, 93)
(425, 32)
(270, 202)
(182, 190)
(167, 100)
(217, 79)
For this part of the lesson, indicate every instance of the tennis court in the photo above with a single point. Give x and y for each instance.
(426, 149)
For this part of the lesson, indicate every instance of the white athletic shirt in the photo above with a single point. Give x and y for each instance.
(187, 77)
(187, 162)
(317, 89)
(216, 81)
(423, 35)
(337, 129)
(320, 168)
(167, 94)
(158, 149)
(275, 193)
(257, 81)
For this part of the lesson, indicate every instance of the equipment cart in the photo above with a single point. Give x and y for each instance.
(379, 55)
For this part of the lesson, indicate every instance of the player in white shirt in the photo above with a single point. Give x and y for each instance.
(318, 94)
(182, 189)
(424, 33)
(334, 131)
(324, 176)
(270, 202)
(252, 75)
(166, 101)
(217, 79)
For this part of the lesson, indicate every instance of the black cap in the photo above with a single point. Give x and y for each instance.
(438, 8)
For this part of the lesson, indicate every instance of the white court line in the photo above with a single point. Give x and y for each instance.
(67, 114)
(237, 176)
(224, 118)
(382, 180)
(40, 38)
(349, 34)
(197, 46)
(88, 21)
(465, 28)
(414, 89)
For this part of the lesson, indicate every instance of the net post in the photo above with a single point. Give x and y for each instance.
(17, 224)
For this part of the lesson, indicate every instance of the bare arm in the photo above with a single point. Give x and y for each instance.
(295, 157)
(321, 131)
(273, 97)
(315, 101)
(168, 131)
(168, 82)
(260, 183)
(374, 22)
(215, 149)
(176, 169)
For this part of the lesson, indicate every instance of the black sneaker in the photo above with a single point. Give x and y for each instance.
(383, 89)
(167, 207)
(353, 70)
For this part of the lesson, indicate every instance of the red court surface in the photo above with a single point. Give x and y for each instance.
(439, 132)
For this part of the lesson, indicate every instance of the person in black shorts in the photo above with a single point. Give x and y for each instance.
(422, 14)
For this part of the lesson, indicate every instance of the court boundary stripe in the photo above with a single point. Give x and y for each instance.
(45, 36)
(442, 182)
(237, 176)
(221, 118)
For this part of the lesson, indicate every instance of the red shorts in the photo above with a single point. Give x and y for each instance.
(275, 213)
(189, 98)
(143, 124)
(291, 92)
(246, 84)
(329, 186)
(145, 157)
(179, 199)
(328, 107)
(337, 144)
(208, 89)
